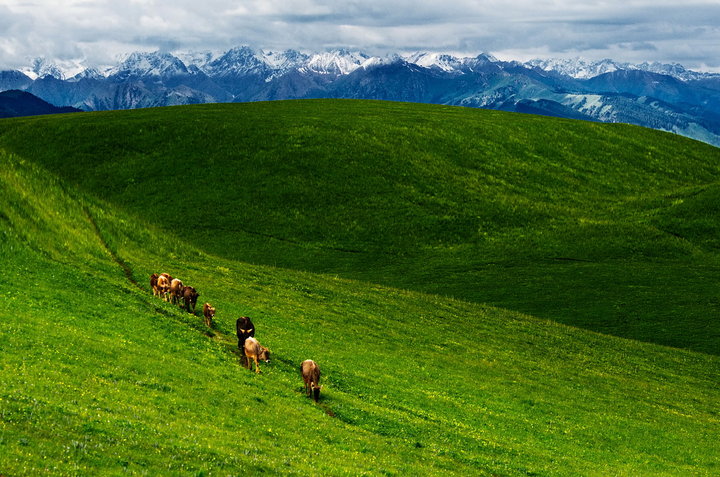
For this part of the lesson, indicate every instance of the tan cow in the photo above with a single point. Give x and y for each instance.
(254, 350)
(209, 314)
(176, 290)
(163, 286)
(311, 376)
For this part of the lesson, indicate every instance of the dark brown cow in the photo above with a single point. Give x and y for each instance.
(245, 329)
(208, 313)
(153, 283)
(190, 296)
(254, 350)
(163, 286)
(176, 290)
(311, 376)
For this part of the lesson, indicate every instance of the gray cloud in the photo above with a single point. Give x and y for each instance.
(628, 30)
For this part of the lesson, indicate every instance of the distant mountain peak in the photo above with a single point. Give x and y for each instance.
(41, 67)
(581, 68)
(284, 60)
(149, 64)
(441, 61)
(238, 61)
(87, 73)
(578, 68)
(336, 62)
(197, 59)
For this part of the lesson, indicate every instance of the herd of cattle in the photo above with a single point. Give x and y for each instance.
(174, 291)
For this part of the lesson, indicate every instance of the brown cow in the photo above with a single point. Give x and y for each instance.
(311, 376)
(208, 313)
(163, 286)
(153, 284)
(254, 350)
(176, 290)
(190, 296)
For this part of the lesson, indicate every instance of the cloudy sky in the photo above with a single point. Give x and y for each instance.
(98, 31)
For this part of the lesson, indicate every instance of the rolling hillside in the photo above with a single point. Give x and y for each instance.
(665, 97)
(609, 227)
(249, 202)
(21, 103)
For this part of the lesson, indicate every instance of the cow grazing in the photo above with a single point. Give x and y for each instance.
(190, 296)
(176, 290)
(254, 351)
(153, 284)
(163, 286)
(208, 313)
(311, 376)
(245, 329)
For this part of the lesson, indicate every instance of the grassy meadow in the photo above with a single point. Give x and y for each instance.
(430, 259)
(605, 226)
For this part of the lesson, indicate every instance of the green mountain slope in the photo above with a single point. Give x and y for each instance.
(100, 377)
(604, 226)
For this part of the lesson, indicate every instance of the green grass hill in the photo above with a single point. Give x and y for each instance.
(604, 226)
(430, 259)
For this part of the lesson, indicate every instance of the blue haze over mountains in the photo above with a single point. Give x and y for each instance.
(659, 96)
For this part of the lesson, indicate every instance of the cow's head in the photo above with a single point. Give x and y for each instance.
(264, 354)
(316, 391)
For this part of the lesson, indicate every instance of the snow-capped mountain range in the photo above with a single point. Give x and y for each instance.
(584, 69)
(244, 60)
(662, 96)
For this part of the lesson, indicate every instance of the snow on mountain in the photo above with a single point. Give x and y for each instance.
(577, 67)
(436, 60)
(478, 62)
(447, 63)
(284, 60)
(59, 69)
(672, 69)
(583, 69)
(281, 62)
(149, 64)
(239, 61)
(591, 105)
(374, 61)
(243, 61)
(336, 62)
(41, 68)
(199, 59)
(87, 73)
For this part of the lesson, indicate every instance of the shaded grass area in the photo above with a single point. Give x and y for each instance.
(605, 226)
(100, 377)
